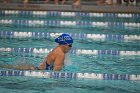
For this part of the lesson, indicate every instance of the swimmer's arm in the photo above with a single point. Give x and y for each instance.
(17, 67)
(42, 66)
(59, 62)
(6, 66)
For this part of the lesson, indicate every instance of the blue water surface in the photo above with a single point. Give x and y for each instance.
(111, 64)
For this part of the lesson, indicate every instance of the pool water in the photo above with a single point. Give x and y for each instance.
(83, 63)
(35, 85)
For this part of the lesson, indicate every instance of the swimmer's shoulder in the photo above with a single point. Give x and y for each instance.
(58, 52)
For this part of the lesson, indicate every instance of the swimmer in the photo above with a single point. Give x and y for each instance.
(55, 59)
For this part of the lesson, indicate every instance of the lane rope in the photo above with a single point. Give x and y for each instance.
(41, 35)
(39, 51)
(67, 14)
(68, 75)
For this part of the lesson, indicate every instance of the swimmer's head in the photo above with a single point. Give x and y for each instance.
(64, 39)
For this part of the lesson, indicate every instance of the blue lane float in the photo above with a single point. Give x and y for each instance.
(59, 23)
(41, 35)
(68, 75)
(40, 51)
(67, 14)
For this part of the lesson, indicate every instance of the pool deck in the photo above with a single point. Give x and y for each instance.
(86, 8)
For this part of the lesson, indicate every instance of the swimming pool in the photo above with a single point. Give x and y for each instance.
(104, 58)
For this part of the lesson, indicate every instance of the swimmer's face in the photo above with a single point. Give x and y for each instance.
(68, 47)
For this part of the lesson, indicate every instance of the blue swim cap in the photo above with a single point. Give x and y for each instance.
(64, 39)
